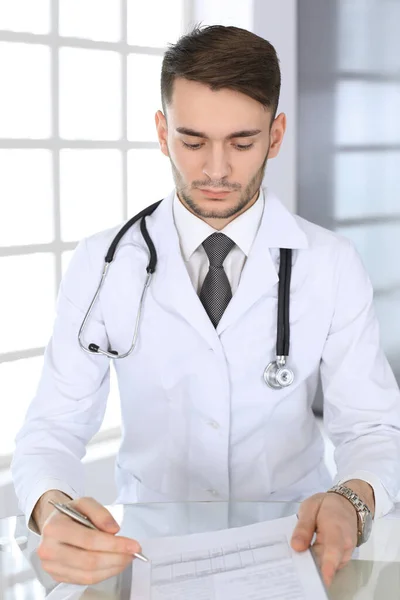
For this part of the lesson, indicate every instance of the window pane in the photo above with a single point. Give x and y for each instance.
(90, 191)
(369, 36)
(92, 19)
(367, 184)
(27, 306)
(19, 381)
(149, 178)
(379, 246)
(25, 15)
(26, 208)
(25, 110)
(90, 94)
(144, 96)
(367, 113)
(154, 22)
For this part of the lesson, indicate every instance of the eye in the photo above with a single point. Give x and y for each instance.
(192, 146)
(241, 147)
(237, 146)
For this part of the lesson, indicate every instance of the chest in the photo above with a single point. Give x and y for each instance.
(175, 339)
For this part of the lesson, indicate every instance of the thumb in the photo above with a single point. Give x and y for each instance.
(305, 528)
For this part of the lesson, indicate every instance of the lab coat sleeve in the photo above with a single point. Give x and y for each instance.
(383, 502)
(71, 397)
(361, 396)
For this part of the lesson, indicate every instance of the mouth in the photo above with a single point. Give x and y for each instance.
(214, 194)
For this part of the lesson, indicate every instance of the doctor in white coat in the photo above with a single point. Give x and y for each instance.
(199, 421)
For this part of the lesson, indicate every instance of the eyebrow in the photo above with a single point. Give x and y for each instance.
(235, 134)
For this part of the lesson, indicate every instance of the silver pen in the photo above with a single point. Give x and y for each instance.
(77, 516)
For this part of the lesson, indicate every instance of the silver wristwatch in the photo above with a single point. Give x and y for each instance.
(364, 516)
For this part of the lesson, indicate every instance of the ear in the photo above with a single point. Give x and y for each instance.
(276, 136)
(162, 131)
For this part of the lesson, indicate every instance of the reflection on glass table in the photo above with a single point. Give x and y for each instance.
(373, 572)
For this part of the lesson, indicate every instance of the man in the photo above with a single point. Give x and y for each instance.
(199, 420)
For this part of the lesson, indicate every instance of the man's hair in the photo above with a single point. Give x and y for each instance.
(224, 57)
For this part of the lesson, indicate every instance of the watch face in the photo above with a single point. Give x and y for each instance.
(368, 521)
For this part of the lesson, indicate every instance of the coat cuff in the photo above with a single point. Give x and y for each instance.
(383, 502)
(42, 486)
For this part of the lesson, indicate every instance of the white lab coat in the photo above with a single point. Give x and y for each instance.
(198, 420)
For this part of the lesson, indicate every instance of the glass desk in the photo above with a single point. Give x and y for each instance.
(374, 571)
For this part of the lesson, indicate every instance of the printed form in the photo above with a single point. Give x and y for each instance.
(254, 562)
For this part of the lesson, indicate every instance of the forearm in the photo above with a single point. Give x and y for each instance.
(43, 508)
(373, 459)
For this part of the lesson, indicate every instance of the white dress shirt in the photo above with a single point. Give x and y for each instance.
(192, 232)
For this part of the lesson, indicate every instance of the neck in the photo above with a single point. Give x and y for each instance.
(217, 223)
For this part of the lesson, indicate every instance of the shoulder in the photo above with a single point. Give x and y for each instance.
(98, 244)
(326, 245)
(336, 255)
(86, 265)
(321, 238)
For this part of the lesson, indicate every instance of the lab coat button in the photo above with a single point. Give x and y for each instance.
(213, 424)
(213, 492)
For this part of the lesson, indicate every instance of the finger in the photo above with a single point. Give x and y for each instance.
(85, 560)
(96, 512)
(66, 531)
(305, 528)
(345, 559)
(331, 559)
(64, 574)
(317, 552)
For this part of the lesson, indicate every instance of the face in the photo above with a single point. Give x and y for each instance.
(217, 141)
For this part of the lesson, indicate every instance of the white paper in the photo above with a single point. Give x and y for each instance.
(254, 562)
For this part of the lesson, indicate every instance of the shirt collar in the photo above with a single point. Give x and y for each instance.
(192, 230)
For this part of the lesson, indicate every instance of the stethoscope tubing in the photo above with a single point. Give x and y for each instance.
(283, 316)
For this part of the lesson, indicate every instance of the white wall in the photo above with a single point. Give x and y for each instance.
(276, 21)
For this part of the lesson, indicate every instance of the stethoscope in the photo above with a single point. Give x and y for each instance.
(276, 375)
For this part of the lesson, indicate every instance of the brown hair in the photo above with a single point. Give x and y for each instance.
(224, 57)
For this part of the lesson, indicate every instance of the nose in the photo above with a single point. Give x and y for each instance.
(217, 165)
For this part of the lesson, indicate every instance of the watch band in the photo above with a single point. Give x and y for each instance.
(350, 495)
(360, 506)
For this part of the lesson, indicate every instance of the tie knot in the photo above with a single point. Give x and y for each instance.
(217, 247)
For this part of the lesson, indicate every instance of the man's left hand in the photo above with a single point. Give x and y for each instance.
(334, 520)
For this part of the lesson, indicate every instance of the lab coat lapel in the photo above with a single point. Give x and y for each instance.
(172, 287)
(278, 229)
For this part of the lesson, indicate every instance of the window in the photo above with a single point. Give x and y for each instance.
(349, 138)
(366, 205)
(80, 87)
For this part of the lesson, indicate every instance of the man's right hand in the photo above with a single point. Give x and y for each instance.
(73, 553)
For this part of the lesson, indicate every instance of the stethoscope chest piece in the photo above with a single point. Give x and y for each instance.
(277, 375)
